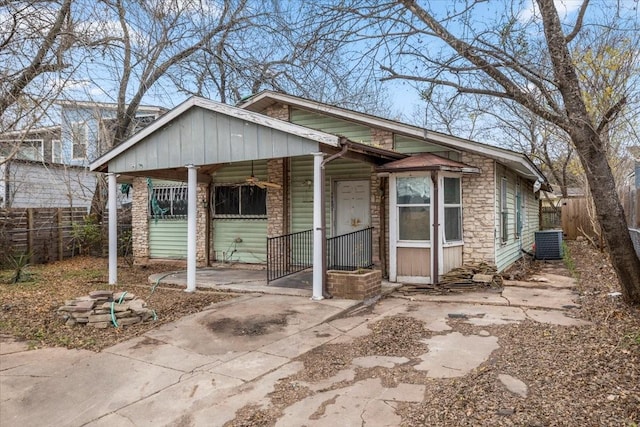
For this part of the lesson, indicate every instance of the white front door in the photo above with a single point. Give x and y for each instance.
(352, 211)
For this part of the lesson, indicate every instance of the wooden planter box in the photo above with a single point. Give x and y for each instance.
(357, 284)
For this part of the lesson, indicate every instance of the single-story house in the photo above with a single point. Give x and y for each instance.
(221, 181)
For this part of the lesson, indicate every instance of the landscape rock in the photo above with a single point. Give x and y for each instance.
(98, 308)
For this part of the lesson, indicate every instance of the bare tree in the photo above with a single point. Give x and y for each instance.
(523, 58)
(275, 51)
(35, 39)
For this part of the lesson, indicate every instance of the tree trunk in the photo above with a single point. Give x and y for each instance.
(610, 213)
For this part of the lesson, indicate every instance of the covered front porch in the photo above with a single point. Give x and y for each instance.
(199, 139)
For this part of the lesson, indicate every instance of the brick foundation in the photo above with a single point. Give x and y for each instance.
(354, 285)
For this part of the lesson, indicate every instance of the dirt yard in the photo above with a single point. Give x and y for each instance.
(586, 376)
(28, 310)
(577, 376)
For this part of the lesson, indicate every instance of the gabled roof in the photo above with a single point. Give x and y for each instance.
(260, 120)
(516, 161)
(426, 161)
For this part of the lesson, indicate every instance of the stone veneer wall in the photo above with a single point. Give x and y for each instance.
(278, 111)
(276, 225)
(139, 221)
(276, 215)
(382, 138)
(375, 216)
(478, 210)
(202, 229)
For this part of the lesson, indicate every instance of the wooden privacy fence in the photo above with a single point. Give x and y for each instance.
(44, 233)
(575, 218)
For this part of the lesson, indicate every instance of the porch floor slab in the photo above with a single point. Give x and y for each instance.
(247, 281)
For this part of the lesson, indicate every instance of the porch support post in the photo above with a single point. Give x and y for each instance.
(192, 208)
(113, 229)
(318, 231)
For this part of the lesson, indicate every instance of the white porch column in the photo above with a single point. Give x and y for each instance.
(113, 229)
(318, 232)
(192, 190)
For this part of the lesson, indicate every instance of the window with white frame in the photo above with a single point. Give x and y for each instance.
(169, 201)
(504, 211)
(413, 202)
(452, 210)
(239, 201)
(56, 151)
(27, 149)
(79, 140)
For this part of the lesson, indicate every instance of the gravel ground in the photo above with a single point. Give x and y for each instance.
(577, 376)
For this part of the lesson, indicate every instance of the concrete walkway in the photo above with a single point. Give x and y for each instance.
(199, 370)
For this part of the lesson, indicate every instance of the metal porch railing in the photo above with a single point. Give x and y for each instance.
(350, 251)
(291, 253)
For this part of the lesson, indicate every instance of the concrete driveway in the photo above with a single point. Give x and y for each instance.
(200, 370)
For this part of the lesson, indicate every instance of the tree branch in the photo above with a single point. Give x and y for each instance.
(37, 66)
(468, 52)
(576, 28)
(611, 114)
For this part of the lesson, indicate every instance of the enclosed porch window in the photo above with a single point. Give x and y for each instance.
(413, 204)
(452, 210)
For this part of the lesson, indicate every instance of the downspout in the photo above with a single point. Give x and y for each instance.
(323, 222)
(436, 229)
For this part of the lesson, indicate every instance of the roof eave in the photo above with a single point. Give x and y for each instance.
(449, 141)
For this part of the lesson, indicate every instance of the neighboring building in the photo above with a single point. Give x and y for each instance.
(432, 201)
(47, 167)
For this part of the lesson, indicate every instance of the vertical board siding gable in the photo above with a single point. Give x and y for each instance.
(204, 137)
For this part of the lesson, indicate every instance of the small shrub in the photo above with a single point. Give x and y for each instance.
(18, 263)
(86, 236)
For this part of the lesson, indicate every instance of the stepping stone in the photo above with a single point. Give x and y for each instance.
(514, 385)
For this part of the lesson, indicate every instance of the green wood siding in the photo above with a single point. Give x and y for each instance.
(532, 216)
(352, 131)
(408, 145)
(510, 251)
(240, 239)
(236, 173)
(168, 239)
(302, 188)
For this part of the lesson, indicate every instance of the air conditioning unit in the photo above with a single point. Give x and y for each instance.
(549, 244)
